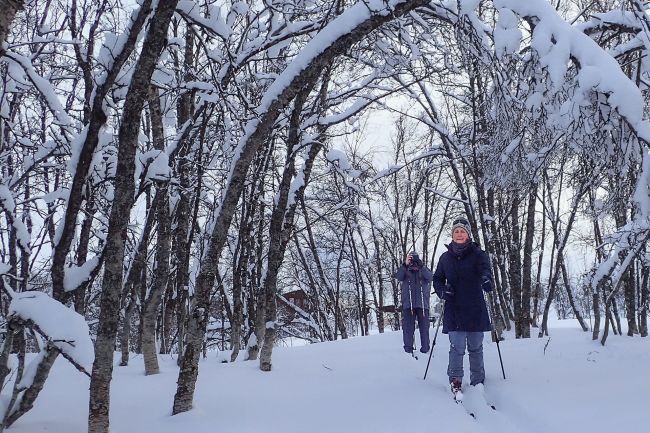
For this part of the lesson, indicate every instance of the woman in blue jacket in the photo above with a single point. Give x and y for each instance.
(462, 274)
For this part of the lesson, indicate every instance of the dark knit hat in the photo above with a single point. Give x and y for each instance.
(463, 224)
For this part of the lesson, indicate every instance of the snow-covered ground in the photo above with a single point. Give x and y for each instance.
(367, 384)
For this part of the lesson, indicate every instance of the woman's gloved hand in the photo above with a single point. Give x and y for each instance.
(448, 292)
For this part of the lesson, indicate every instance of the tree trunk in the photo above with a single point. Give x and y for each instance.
(169, 314)
(126, 329)
(515, 268)
(543, 330)
(155, 40)
(237, 306)
(183, 212)
(28, 397)
(629, 291)
(396, 304)
(25, 254)
(499, 269)
(596, 307)
(627, 280)
(163, 244)
(329, 291)
(537, 294)
(19, 350)
(256, 301)
(241, 274)
(617, 317)
(380, 274)
(569, 293)
(645, 299)
(362, 302)
(135, 285)
(527, 278)
(600, 257)
(82, 252)
(608, 315)
(260, 129)
(282, 221)
(321, 313)
(339, 323)
(158, 286)
(96, 121)
(270, 330)
(5, 352)
(9, 9)
(560, 244)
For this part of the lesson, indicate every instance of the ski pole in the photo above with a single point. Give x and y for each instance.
(500, 358)
(435, 336)
(412, 320)
(495, 337)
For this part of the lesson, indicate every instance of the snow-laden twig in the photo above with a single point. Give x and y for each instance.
(63, 328)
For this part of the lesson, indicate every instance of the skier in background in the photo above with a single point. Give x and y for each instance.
(415, 281)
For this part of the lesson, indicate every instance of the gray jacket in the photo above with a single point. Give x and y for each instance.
(416, 287)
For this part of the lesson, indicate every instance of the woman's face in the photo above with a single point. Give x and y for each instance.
(459, 236)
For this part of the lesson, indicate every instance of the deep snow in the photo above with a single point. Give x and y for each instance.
(367, 384)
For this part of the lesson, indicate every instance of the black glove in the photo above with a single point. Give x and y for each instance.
(487, 285)
(448, 292)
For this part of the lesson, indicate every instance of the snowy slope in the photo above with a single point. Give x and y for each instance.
(367, 384)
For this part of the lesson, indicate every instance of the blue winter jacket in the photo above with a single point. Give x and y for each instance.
(416, 287)
(469, 275)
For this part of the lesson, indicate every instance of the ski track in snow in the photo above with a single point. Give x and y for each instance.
(476, 403)
(491, 420)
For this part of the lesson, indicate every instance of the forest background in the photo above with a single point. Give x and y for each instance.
(181, 176)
